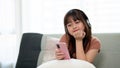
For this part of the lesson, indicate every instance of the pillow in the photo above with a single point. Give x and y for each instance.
(48, 46)
(71, 63)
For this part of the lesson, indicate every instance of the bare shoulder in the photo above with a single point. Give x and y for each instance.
(95, 39)
(95, 43)
(64, 38)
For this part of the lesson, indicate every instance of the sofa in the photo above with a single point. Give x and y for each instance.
(37, 48)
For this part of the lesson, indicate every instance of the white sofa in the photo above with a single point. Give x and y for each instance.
(107, 58)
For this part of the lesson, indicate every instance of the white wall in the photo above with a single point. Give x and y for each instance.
(46, 16)
(10, 30)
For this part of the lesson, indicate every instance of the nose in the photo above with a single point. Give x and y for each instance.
(74, 26)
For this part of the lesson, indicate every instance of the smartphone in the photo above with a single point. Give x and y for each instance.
(63, 47)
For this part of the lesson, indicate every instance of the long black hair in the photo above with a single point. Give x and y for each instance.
(77, 14)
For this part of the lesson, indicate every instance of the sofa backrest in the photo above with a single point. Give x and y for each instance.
(107, 58)
(110, 47)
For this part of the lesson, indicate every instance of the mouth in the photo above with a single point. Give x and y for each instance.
(75, 30)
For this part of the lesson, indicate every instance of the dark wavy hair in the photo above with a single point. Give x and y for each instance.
(77, 14)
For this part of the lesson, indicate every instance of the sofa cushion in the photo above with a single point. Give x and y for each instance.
(29, 50)
(48, 46)
(71, 63)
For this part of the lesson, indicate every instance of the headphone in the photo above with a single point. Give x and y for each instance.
(86, 19)
(88, 23)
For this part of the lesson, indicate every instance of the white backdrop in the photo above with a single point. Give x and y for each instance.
(46, 16)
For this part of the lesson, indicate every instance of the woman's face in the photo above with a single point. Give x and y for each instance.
(74, 26)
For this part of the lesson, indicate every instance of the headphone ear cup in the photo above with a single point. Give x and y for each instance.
(88, 23)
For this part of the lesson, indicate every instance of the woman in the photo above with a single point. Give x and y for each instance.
(81, 44)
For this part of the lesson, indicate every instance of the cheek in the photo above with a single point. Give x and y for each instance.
(70, 30)
(81, 26)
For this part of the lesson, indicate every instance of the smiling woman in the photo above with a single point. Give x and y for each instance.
(79, 38)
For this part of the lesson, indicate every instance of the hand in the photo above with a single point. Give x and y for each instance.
(59, 54)
(79, 35)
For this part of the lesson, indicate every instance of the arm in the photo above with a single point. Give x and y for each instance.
(91, 53)
(80, 54)
(93, 50)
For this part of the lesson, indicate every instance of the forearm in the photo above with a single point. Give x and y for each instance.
(80, 54)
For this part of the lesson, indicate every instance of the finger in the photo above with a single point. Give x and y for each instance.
(60, 57)
(57, 50)
(59, 53)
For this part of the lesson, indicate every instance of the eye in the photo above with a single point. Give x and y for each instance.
(77, 21)
(69, 24)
